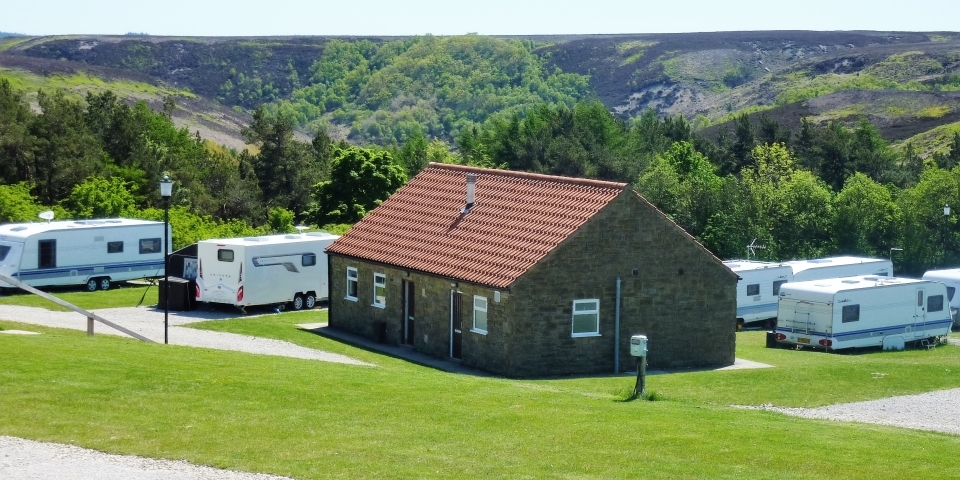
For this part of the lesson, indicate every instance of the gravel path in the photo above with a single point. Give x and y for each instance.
(935, 411)
(30, 460)
(148, 321)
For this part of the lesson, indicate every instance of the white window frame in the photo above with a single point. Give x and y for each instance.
(476, 308)
(355, 278)
(575, 312)
(382, 283)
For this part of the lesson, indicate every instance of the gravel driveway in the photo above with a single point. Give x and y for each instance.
(148, 321)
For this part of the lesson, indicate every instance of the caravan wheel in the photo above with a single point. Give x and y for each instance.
(104, 283)
(298, 302)
(92, 285)
(311, 301)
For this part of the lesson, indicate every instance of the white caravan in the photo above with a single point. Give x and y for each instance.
(835, 267)
(950, 278)
(92, 253)
(862, 311)
(758, 289)
(760, 282)
(268, 270)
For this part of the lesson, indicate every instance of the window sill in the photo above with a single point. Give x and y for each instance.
(378, 306)
(352, 299)
(583, 335)
(481, 332)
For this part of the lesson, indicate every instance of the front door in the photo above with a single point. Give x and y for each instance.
(409, 301)
(456, 324)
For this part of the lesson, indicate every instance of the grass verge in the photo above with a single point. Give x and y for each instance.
(119, 295)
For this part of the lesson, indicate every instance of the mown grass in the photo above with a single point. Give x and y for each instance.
(310, 419)
(119, 295)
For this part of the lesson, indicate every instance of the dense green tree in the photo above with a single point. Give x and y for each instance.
(866, 219)
(98, 197)
(17, 204)
(16, 142)
(360, 179)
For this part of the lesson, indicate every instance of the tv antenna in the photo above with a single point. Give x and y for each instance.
(751, 249)
(46, 215)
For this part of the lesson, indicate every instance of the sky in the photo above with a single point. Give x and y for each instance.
(488, 17)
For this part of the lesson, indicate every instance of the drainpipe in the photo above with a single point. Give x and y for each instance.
(616, 333)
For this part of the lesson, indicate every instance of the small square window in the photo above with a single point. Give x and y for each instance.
(850, 313)
(150, 245)
(308, 260)
(776, 287)
(586, 318)
(225, 255)
(379, 290)
(753, 289)
(479, 314)
(114, 247)
(352, 283)
(935, 303)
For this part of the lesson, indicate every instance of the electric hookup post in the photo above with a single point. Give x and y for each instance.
(638, 348)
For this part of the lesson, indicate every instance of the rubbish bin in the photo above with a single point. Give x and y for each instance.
(771, 339)
(179, 291)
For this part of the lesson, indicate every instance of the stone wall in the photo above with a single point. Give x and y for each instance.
(672, 290)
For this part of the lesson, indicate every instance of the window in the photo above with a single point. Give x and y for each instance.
(308, 259)
(850, 313)
(149, 245)
(352, 284)
(379, 290)
(114, 247)
(935, 303)
(776, 286)
(47, 257)
(950, 290)
(586, 318)
(480, 314)
(225, 255)
(753, 289)
(919, 298)
(4, 250)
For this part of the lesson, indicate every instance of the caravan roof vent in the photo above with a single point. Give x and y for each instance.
(871, 279)
(114, 221)
(821, 260)
(850, 280)
(291, 237)
(18, 229)
(317, 234)
(253, 239)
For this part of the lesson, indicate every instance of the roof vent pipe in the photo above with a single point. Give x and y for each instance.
(471, 190)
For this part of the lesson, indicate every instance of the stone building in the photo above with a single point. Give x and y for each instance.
(517, 274)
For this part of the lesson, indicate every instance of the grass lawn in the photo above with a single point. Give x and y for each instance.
(121, 294)
(310, 419)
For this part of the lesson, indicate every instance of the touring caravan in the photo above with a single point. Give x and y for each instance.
(92, 253)
(267, 270)
(758, 289)
(862, 311)
(835, 267)
(950, 278)
(759, 284)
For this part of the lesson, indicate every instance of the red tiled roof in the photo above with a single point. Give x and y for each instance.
(518, 218)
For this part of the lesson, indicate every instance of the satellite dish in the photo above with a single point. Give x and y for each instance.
(301, 228)
(47, 215)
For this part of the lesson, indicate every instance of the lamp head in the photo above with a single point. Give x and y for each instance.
(166, 186)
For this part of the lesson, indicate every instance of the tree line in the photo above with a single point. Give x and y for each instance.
(824, 189)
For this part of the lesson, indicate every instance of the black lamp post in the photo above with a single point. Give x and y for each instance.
(166, 189)
(946, 223)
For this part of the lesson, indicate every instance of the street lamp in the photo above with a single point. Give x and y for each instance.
(166, 189)
(946, 223)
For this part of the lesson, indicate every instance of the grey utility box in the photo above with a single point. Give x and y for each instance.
(638, 345)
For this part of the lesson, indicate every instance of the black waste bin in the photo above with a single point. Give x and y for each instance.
(180, 294)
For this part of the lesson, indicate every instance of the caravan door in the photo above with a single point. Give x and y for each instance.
(920, 314)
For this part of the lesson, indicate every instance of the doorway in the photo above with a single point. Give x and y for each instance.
(409, 302)
(456, 324)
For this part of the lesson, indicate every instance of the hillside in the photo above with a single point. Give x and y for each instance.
(383, 89)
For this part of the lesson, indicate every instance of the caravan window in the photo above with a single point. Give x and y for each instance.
(753, 289)
(224, 255)
(308, 260)
(4, 250)
(851, 313)
(149, 245)
(47, 254)
(950, 290)
(935, 303)
(114, 247)
(776, 287)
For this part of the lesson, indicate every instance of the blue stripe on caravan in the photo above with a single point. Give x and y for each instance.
(756, 308)
(80, 268)
(890, 330)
